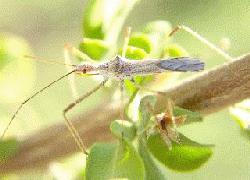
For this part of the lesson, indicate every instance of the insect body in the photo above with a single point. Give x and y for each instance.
(120, 68)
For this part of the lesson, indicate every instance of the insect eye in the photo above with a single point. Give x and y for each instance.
(84, 71)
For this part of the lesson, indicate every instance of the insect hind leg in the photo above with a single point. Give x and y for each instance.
(201, 39)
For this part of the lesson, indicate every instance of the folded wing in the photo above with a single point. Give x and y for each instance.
(182, 64)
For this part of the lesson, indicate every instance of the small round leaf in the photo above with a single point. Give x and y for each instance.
(123, 129)
(189, 115)
(186, 156)
(141, 40)
(94, 48)
(113, 161)
(174, 50)
(135, 53)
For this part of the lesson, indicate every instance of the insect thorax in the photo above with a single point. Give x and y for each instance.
(116, 69)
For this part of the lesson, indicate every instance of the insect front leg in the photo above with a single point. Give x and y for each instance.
(72, 82)
(201, 39)
(122, 99)
(126, 41)
(70, 125)
(70, 50)
(124, 49)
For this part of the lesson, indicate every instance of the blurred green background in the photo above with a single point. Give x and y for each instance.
(47, 25)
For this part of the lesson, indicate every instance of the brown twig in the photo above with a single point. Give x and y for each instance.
(206, 93)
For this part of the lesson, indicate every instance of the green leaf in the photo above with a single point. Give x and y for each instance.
(186, 156)
(141, 40)
(174, 50)
(153, 169)
(246, 133)
(15, 86)
(190, 115)
(130, 86)
(103, 19)
(8, 148)
(94, 48)
(123, 129)
(11, 48)
(134, 53)
(4, 57)
(132, 90)
(94, 19)
(113, 161)
(146, 106)
(241, 113)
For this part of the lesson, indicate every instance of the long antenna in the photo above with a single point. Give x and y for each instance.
(50, 61)
(31, 97)
(201, 39)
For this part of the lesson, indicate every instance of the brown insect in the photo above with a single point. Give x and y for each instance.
(166, 124)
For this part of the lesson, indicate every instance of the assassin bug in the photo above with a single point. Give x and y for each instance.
(120, 69)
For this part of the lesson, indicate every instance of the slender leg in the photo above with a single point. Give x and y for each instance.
(71, 78)
(69, 124)
(202, 39)
(122, 99)
(70, 50)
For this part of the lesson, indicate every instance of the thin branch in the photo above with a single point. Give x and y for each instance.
(207, 93)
